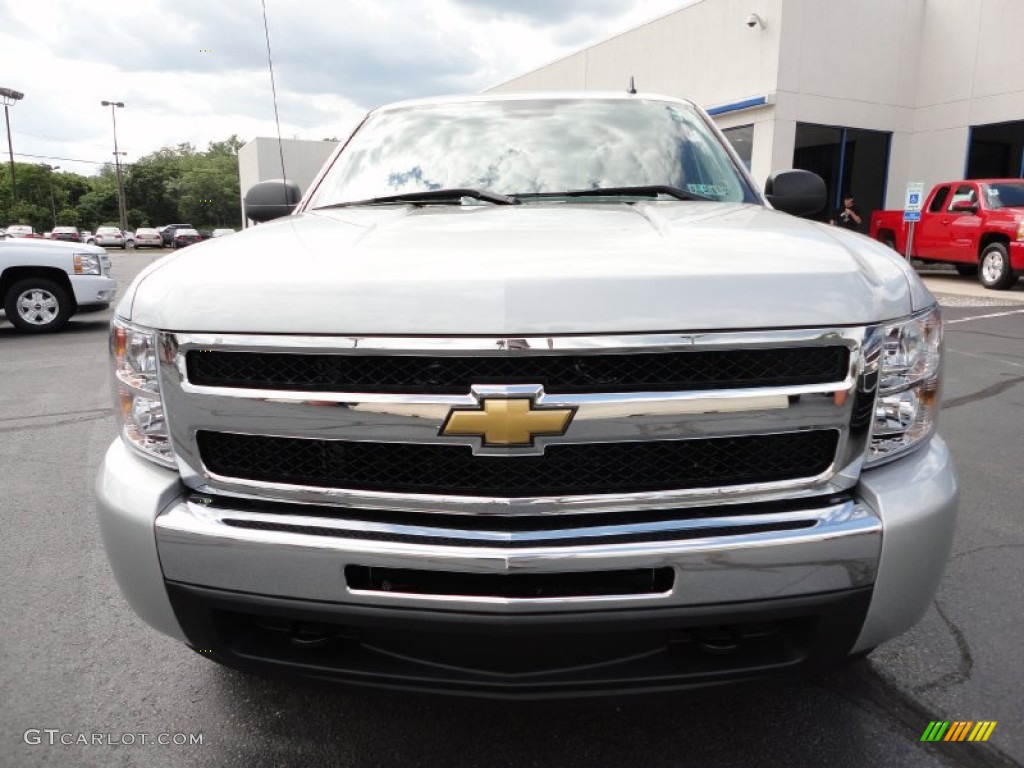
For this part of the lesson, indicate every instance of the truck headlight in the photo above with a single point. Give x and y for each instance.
(87, 264)
(136, 386)
(909, 372)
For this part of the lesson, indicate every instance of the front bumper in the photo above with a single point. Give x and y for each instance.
(1017, 255)
(358, 598)
(93, 289)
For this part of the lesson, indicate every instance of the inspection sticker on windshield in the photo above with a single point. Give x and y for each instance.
(708, 190)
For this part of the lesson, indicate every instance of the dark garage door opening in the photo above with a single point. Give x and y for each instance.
(996, 151)
(848, 159)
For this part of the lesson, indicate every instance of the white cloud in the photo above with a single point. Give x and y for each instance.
(196, 71)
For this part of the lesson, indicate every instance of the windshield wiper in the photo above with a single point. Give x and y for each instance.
(650, 190)
(429, 195)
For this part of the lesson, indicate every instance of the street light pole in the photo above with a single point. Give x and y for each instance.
(122, 207)
(10, 96)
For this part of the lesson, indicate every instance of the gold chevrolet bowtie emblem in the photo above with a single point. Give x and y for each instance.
(509, 421)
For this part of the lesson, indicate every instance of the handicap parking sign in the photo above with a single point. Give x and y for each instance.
(913, 202)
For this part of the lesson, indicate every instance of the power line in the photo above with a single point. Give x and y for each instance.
(68, 159)
(124, 164)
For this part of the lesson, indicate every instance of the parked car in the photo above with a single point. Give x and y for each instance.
(110, 237)
(67, 234)
(147, 237)
(44, 282)
(3, 233)
(167, 232)
(20, 230)
(976, 225)
(88, 237)
(183, 237)
(222, 232)
(616, 421)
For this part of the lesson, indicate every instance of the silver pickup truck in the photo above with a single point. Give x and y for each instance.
(44, 282)
(530, 396)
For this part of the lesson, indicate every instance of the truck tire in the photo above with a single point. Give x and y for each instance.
(37, 305)
(994, 269)
(967, 270)
(888, 241)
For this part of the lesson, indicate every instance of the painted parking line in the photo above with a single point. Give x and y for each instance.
(985, 317)
(986, 358)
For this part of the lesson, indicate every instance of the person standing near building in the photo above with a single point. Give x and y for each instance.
(849, 215)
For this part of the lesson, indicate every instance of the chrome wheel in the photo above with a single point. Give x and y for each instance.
(992, 267)
(37, 306)
(995, 270)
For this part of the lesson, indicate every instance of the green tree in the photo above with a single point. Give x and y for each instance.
(34, 205)
(99, 204)
(68, 217)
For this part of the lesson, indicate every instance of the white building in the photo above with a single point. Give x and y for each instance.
(260, 160)
(870, 94)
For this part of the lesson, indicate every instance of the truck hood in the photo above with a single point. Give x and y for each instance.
(532, 269)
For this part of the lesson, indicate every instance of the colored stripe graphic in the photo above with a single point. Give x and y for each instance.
(982, 730)
(959, 730)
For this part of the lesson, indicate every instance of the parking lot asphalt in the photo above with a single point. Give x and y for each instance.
(73, 656)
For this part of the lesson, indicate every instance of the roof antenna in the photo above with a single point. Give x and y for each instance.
(273, 89)
(632, 87)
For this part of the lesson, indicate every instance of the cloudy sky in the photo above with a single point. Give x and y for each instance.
(196, 70)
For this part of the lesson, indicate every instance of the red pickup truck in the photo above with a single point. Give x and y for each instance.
(976, 225)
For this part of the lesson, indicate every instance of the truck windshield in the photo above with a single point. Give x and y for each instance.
(535, 148)
(1005, 195)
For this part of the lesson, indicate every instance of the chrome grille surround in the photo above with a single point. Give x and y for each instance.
(600, 417)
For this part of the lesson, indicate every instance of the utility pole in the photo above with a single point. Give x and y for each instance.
(49, 178)
(122, 207)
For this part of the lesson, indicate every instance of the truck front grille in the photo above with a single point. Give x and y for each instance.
(558, 374)
(565, 469)
(679, 420)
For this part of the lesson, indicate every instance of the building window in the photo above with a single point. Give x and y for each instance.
(851, 160)
(996, 151)
(742, 139)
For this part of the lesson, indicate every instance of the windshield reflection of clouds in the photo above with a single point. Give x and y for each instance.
(532, 146)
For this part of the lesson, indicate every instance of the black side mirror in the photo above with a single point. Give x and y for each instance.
(800, 193)
(271, 199)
